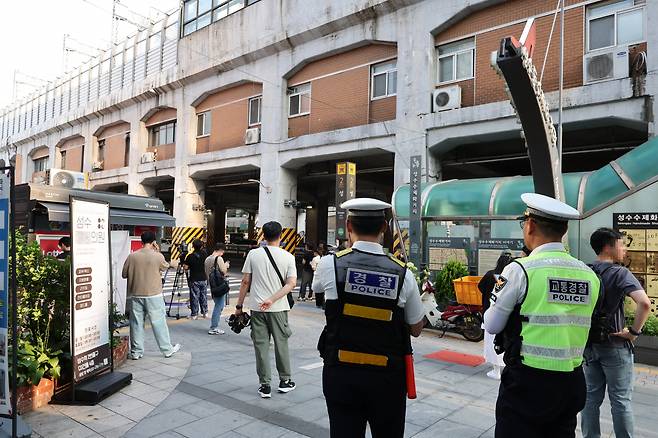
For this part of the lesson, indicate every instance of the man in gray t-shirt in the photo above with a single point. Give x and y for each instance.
(611, 363)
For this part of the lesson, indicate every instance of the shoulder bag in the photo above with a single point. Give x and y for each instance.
(291, 300)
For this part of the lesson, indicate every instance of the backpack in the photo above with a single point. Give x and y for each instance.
(602, 317)
(218, 284)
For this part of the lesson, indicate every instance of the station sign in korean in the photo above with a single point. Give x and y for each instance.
(641, 239)
(345, 190)
(489, 250)
(443, 249)
(415, 170)
(5, 403)
(90, 287)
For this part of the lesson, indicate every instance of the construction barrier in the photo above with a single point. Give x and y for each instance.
(290, 239)
(184, 235)
(397, 246)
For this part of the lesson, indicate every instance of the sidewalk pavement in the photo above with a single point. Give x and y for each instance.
(217, 395)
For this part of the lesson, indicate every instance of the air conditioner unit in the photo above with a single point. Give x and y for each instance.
(447, 98)
(252, 136)
(67, 179)
(605, 65)
(98, 165)
(148, 157)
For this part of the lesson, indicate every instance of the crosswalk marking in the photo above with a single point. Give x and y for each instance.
(233, 281)
(312, 366)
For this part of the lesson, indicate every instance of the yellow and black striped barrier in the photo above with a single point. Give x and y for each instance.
(397, 247)
(290, 239)
(184, 235)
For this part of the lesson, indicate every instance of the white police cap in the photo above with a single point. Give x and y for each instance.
(365, 207)
(548, 208)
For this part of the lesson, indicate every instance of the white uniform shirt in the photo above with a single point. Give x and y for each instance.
(264, 280)
(409, 300)
(510, 291)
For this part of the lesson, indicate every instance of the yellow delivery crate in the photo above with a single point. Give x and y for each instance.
(466, 290)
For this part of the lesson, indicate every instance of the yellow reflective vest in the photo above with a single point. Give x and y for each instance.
(557, 311)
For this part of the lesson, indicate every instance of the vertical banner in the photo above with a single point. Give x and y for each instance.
(5, 404)
(90, 287)
(345, 190)
(415, 167)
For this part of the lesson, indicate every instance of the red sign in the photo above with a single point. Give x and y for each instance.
(139, 230)
(48, 243)
(135, 244)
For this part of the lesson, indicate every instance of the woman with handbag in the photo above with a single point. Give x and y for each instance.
(216, 270)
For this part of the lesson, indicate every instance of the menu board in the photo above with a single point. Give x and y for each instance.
(443, 249)
(489, 250)
(90, 287)
(641, 239)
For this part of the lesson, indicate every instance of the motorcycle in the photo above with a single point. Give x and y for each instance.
(465, 319)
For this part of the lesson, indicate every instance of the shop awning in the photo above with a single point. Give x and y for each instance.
(501, 197)
(118, 216)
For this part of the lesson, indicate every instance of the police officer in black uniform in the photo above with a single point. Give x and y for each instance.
(372, 306)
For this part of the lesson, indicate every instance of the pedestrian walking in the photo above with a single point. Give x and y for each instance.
(307, 274)
(372, 306)
(216, 266)
(194, 264)
(609, 354)
(64, 245)
(269, 274)
(143, 270)
(541, 309)
(486, 285)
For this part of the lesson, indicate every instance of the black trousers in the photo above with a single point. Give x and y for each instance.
(535, 403)
(359, 396)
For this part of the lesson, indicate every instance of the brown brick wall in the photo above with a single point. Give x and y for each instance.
(161, 116)
(497, 15)
(488, 86)
(229, 117)
(18, 170)
(342, 61)
(115, 145)
(382, 109)
(338, 101)
(223, 97)
(468, 91)
(40, 153)
(165, 151)
(299, 126)
(74, 158)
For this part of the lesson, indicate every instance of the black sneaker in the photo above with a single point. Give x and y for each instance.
(286, 386)
(265, 391)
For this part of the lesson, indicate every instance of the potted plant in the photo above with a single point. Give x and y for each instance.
(445, 291)
(646, 346)
(119, 343)
(38, 369)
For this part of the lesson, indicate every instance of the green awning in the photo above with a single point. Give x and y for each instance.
(459, 198)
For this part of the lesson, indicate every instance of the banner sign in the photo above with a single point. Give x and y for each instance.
(443, 249)
(5, 403)
(345, 190)
(640, 232)
(90, 287)
(489, 250)
(415, 167)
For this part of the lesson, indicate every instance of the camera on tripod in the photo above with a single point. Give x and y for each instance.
(183, 250)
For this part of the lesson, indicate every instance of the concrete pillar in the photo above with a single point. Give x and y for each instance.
(277, 183)
(219, 219)
(187, 192)
(652, 68)
(415, 85)
(91, 145)
(138, 144)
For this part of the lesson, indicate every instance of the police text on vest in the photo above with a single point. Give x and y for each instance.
(567, 291)
(372, 283)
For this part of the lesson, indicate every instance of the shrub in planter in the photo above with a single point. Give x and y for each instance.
(119, 343)
(445, 291)
(37, 370)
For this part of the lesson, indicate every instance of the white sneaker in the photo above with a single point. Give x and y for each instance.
(174, 350)
(216, 331)
(494, 374)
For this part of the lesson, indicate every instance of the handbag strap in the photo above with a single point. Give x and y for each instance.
(276, 268)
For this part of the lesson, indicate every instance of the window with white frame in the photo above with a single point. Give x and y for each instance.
(198, 14)
(203, 124)
(456, 60)
(254, 110)
(162, 134)
(384, 81)
(616, 23)
(41, 164)
(299, 100)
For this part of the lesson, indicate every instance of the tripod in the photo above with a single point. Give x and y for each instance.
(181, 275)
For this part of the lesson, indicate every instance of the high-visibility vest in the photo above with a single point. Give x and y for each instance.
(556, 313)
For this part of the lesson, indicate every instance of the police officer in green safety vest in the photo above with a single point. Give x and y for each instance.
(541, 310)
(372, 306)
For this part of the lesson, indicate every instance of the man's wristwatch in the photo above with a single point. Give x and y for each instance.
(238, 306)
(633, 332)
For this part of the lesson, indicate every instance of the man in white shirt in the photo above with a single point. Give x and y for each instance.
(269, 282)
